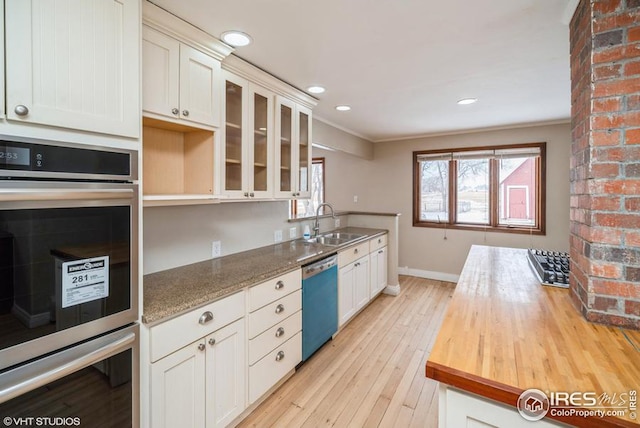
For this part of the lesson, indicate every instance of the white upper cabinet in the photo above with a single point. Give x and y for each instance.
(1, 58)
(161, 73)
(293, 149)
(303, 127)
(247, 139)
(74, 64)
(179, 82)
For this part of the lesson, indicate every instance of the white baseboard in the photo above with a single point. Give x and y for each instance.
(438, 276)
(392, 290)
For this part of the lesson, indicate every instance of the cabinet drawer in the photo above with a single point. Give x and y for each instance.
(272, 290)
(270, 339)
(269, 370)
(377, 243)
(352, 254)
(273, 313)
(184, 329)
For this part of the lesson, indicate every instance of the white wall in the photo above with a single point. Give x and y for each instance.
(181, 235)
(385, 184)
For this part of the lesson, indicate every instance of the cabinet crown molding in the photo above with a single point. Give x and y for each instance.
(163, 21)
(244, 69)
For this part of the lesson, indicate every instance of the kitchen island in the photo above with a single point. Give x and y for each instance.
(505, 333)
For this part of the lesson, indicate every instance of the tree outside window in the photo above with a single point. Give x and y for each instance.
(301, 208)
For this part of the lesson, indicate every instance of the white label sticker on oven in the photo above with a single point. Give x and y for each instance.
(85, 280)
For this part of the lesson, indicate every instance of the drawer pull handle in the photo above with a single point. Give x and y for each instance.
(380, 252)
(201, 347)
(279, 332)
(279, 309)
(379, 241)
(206, 317)
(212, 341)
(280, 356)
(279, 285)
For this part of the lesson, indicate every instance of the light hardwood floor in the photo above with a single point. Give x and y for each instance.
(373, 373)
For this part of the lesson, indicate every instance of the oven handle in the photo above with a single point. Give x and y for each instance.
(21, 195)
(53, 367)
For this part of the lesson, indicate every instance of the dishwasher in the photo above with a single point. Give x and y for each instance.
(319, 304)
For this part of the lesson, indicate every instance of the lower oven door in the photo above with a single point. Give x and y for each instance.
(91, 384)
(68, 264)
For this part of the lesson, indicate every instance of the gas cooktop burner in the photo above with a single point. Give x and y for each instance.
(551, 267)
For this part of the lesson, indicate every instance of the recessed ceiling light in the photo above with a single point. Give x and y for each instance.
(466, 101)
(236, 38)
(315, 89)
(343, 108)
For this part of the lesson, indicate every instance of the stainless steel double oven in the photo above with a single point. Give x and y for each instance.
(68, 285)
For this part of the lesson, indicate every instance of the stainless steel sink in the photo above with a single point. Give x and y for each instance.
(342, 236)
(334, 239)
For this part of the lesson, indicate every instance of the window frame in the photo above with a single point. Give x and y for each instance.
(293, 203)
(539, 228)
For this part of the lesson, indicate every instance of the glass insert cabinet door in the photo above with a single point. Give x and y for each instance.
(304, 152)
(285, 148)
(233, 159)
(261, 143)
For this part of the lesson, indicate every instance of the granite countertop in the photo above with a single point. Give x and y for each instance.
(504, 333)
(171, 292)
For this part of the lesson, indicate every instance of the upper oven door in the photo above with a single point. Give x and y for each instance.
(68, 264)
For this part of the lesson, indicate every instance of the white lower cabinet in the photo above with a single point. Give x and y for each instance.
(202, 384)
(275, 326)
(461, 409)
(378, 261)
(353, 288)
(362, 276)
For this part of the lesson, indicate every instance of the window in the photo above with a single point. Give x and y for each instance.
(301, 208)
(498, 188)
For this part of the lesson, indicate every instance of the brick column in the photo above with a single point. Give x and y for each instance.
(605, 161)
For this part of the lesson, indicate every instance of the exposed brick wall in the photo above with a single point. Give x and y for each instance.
(605, 161)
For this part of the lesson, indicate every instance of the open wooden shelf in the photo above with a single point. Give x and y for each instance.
(177, 163)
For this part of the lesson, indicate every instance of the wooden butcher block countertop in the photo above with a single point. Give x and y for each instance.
(505, 333)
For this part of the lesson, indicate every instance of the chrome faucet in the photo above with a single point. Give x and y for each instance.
(316, 226)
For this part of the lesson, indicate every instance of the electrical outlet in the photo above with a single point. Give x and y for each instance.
(336, 223)
(293, 232)
(355, 198)
(277, 236)
(216, 249)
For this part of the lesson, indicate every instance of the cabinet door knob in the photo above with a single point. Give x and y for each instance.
(185, 113)
(212, 341)
(380, 252)
(279, 331)
(201, 347)
(21, 110)
(279, 309)
(175, 111)
(379, 241)
(279, 355)
(251, 194)
(279, 285)
(355, 251)
(246, 194)
(206, 317)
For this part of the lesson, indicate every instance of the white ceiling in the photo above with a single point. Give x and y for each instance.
(403, 64)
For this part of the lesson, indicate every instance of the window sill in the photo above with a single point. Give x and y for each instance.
(481, 228)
